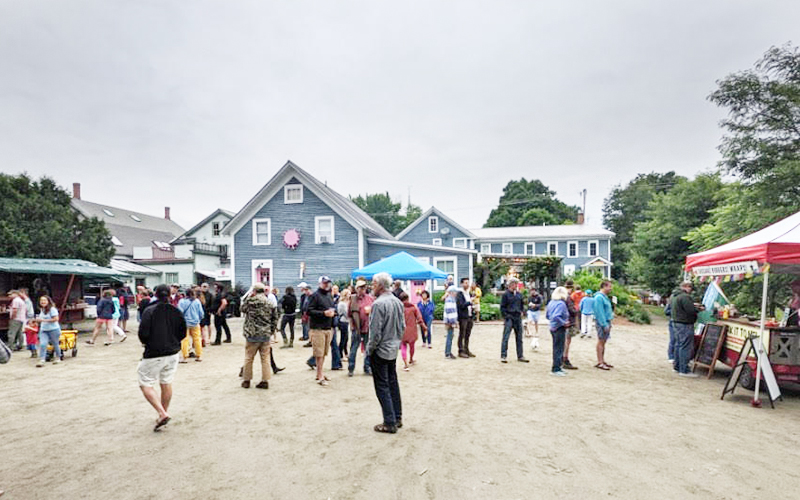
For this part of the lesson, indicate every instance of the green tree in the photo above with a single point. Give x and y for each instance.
(538, 217)
(521, 196)
(625, 207)
(659, 247)
(37, 221)
(381, 208)
(489, 270)
(413, 212)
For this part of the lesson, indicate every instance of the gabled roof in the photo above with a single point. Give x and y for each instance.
(57, 266)
(230, 215)
(340, 204)
(532, 233)
(439, 214)
(598, 259)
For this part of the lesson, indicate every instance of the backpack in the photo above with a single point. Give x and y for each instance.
(5, 353)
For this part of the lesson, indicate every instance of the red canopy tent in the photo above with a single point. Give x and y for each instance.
(776, 248)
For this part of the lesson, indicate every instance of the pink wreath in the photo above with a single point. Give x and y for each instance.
(291, 239)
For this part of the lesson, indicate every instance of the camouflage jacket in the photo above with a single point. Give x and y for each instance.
(260, 318)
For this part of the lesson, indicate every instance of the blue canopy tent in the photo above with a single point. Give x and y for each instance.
(402, 266)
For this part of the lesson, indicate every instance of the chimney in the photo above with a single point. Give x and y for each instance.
(166, 213)
(580, 218)
(76, 190)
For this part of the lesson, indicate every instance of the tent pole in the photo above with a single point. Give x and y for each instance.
(756, 397)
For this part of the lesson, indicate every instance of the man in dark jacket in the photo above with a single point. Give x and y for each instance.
(464, 306)
(161, 331)
(683, 313)
(320, 323)
(511, 309)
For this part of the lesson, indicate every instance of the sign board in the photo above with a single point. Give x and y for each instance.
(752, 343)
(750, 266)
(766, 371)
(710, 346)
(553, 285)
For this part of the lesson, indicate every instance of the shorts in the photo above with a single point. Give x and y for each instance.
(602, 333)
(321, 342)
(159, 370)
(206, 321)
(574, 329)
(533, 316)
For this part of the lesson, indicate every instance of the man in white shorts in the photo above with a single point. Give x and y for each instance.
(161, 331)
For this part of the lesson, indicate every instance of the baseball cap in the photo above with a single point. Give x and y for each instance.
(324, 279)
(303, 284)
(360, 283)
(452, 288)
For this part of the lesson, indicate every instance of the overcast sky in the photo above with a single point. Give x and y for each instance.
(196, 104)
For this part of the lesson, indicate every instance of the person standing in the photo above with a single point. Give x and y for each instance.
(206, 298)
(30, 313)
(426, 309)
(49, 330)
(122, 296)
(219, 307)
(511, 309)
(342, 309)
(193, 313)
(558, 315)
(450, 317)
(305, 293)
(573, 328)
(18, 317)
(161, 331)
(288, 304)
(412, 318)
(684, 315)
(534, 310)
(175, 295)
(260, 322)
(386, 327)
(476, 294)
(587, 315)
(670, 328)
(397, 289)
(603, 314)
(464, 304)
(360, 307)
(320, 314)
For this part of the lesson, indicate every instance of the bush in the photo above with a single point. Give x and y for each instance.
(635, 313)
(490, 306)
(489, 311)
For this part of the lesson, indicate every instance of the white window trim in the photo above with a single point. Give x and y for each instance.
(465, 240)
(532, 245)
(484, 246)
(286, 188)
(577, 252)
(218, 229)
(269, 232)
(503, 249)
(589, 248)
(437, 242)
(433, 218)
(254, 264)
(436, 261)
(316, 228)
(548, 247)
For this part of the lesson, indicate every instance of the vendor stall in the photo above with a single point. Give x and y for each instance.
(774, 249)
(61, 279)
(405, 267)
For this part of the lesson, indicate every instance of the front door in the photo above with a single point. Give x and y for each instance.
(263, 275)
(262, 272)
(415, 289)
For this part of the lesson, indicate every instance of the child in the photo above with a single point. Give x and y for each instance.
(534, 306)
(587, 315)
(450, 319)
(426, 308)
(413, 319)
(49, 330)
(32, 336)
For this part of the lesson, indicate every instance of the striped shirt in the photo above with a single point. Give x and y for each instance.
(450, 310)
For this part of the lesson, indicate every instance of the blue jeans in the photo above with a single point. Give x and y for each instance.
(344, 328)
(684, 346)
(358, 339)
(671, 347)
(49, 337)
(559, 338)
(384, 377)
(336, 357)
(448, 345)
(516, 324)
(427, 336)
(306, 326)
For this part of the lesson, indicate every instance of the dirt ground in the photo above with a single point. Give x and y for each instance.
(473, 429)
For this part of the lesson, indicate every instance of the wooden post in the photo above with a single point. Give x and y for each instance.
(66, 296)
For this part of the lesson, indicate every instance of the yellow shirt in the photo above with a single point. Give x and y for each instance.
(476, 295)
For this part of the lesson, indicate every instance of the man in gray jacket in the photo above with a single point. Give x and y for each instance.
(386, 326)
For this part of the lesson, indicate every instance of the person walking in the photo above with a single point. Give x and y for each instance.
(532, 317)
(219, 307)
(320, 314)
(288, 304)
(342, 310)
(558, 315)
(511, 309)
(193, 313)
(206, 298)
(122, 296)
(386, 327)
(260, 323)
(116, 315)
(105, 317)
(464, 304)
(49, 330)
(18, 317)
(684, 315)
(360, 307)
(161, 332)
(450, 317)
(603, 314)
(587, 314)
(426, 309)
(413, 319)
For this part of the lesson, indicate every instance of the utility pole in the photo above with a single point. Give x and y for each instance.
(583, 193)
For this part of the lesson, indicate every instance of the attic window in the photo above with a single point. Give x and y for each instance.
(116, 241)
(137, 219)
(292, 193)
(108, 212)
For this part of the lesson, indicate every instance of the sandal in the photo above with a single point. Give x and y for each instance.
(323, 382)
(90, 342)
(161, 423)
(610, 366)
(406, 369)
(385, 428)
(602, 366)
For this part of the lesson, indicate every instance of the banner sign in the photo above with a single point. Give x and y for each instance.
(749, 267)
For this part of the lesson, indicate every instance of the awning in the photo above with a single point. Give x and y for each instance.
(402, 266)
(131, 267)
(218, 275)
(57, 266)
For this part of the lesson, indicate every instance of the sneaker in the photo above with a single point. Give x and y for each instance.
(463, 355)
(450, 356)
(569, 366)
(503, 360)
(470, 354)
(688, 375)
(263, 385)
(56, 361)
(227, 341)
(559, 373)
(308, 344)
(430, 346)
(523, 360)
(123, 339)
(349, 374)
(40, 363)
(671, 361)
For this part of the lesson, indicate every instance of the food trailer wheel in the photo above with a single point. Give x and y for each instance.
(747, 378)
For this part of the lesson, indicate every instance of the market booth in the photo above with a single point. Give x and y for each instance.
(403, 266)
(62, 279)
(776, 345)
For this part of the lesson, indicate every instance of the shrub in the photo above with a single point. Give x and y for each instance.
(635, 313)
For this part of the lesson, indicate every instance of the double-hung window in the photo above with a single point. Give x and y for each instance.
(324, 229)
(292, 193)
(552, 248)
(433, 224)
(572, 249)
(486, 248)
(215, 228)
(460, 242)
(530, 248)
(262, 232)
(594, 248)
(508, 248)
